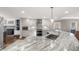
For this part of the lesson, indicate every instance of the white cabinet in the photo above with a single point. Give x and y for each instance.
(10, 22)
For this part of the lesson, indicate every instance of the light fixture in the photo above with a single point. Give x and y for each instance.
(22, 11)
(33, 27)
(44, 17)
(66, 12)
(52, 20)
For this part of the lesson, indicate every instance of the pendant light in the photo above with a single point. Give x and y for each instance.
(52, 20)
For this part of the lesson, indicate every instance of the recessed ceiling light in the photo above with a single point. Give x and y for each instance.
(28, 20)
(23, 12)
(44, 17)
(33, 27)
(66, 12)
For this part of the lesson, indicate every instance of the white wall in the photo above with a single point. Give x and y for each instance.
(1, 34)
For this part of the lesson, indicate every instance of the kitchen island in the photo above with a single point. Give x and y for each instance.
(64, 42)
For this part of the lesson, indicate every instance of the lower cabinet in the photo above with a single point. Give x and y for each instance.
(77, 34)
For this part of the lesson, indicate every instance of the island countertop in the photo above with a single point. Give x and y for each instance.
(65, 42)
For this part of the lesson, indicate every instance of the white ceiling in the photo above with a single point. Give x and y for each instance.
(39, 12)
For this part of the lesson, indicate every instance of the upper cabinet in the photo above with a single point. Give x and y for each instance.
(9, 22)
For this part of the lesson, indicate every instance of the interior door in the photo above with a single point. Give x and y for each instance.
(73, 26)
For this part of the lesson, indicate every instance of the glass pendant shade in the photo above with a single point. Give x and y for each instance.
(52, 20)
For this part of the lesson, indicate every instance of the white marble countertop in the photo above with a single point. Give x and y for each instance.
(65, 42)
